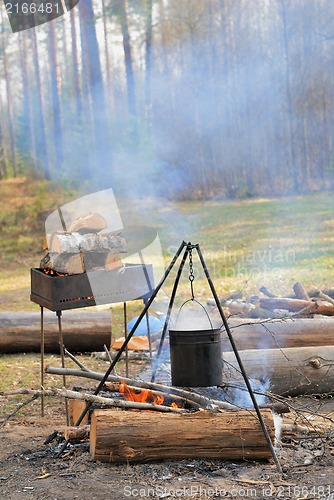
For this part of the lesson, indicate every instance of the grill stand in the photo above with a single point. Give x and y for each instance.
(188, 248)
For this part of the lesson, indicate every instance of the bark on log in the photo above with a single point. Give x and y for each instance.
(202, 401)
(300, 291)
(87, 331)
(76, 433)
(295, 305)
(290, 372)
(300, 332)
(90, 242)
(144, 436)
(64, 263)
(83, 331)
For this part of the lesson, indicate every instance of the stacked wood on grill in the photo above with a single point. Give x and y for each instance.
(85, 245)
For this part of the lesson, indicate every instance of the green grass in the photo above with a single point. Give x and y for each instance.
(246, 244)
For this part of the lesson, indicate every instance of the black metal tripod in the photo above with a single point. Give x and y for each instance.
(188, 249)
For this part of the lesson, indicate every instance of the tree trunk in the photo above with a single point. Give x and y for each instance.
(55, 99)
(75, 68)
(90, 242)
(130, 84)
(117, 436)
(148, 61)
(27, 97)
(40, 133)
(290, 372)
(9, 99)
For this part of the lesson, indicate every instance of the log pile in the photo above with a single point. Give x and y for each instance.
(269, 305)
(85, 245)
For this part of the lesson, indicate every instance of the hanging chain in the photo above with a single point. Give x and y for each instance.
(191, 273)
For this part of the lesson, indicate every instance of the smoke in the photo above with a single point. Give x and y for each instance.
(219, 117)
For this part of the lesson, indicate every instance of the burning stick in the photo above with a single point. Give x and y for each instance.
(118, 403)
(202, 401)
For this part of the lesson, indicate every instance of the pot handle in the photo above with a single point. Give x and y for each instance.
(197, 302)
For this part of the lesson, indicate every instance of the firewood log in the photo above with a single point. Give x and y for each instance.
(83, 331)
(64, 263)
(290, 372)
(144, 436)
(296, 305)
(68, 263)
(75, 242)
(300, 291)
(74, 433)
(91, 223)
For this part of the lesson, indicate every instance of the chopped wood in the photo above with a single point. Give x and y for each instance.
(76, 407)
(300, 292)
(112, 261)
(61, 242)
(64, 263)
(232, 435)
(73, 433)
(91, 223)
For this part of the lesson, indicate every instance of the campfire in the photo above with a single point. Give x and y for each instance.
(182, 422)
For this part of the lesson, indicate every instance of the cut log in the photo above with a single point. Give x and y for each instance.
(87, 331)
(290, 372)
(91, 223)
(90, 242)
(293, 305)
(301, 332)
(300, 292)
(112, 261)
(68, 263)
(83, 331)
(296, 305)
(267, 292)
(64, 263)
(145, 436)
(76, 433)
(76, 407)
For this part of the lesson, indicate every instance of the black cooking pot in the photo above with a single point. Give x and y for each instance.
(196, 356)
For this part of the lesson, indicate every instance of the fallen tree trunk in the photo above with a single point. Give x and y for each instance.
(227, 435)
(290, 372)
(83, 331)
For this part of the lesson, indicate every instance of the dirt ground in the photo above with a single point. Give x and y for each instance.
(29, 468)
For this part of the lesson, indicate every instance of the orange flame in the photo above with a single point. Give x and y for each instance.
(144, 396)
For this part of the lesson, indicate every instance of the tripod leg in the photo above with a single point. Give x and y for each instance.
(242, 369)
(170, 306)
